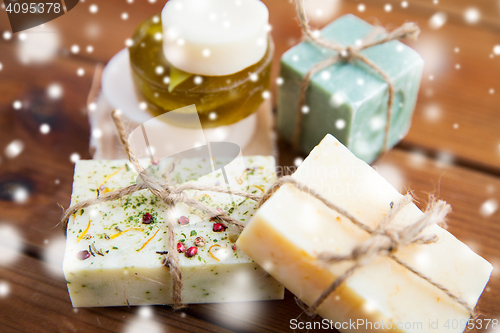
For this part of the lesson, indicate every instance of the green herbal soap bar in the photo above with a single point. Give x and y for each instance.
(113, 250)
(349, 100)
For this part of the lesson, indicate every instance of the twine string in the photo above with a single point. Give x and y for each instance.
(115, 195)
(348, 53)
(153, 185)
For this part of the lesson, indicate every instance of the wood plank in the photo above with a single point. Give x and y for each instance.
(38, 302)
(454, 9)
(261, 317)
(452, 115)
(104, 30)
(43, 167)
(45, 304)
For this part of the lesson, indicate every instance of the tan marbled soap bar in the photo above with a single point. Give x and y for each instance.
(288, 232)
(112, 258)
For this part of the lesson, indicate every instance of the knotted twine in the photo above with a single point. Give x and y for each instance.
(384, 241)
(348, 53)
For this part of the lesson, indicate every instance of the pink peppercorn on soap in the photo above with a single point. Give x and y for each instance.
(288, 232)
(114, 250)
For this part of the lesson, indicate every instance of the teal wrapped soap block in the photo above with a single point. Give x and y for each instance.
(349, 99)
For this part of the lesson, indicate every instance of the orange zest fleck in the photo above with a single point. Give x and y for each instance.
(260, 187)
(239, 180)
(74, 218)
(83, 233)
(210, 251)
(106, 190)
(124, 231)
(149, 240)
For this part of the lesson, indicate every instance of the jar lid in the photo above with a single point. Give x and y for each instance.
(214, 37)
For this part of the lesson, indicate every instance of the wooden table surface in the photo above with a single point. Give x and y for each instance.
(452, 150)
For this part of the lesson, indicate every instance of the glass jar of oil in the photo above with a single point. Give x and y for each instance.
(220, 100)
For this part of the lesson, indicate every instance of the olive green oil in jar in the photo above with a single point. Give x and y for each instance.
(220, 100)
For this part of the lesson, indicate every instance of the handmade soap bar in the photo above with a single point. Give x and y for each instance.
(288, 232)
(114, 250)
(349, 100)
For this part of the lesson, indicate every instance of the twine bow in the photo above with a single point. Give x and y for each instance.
(348, 53)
